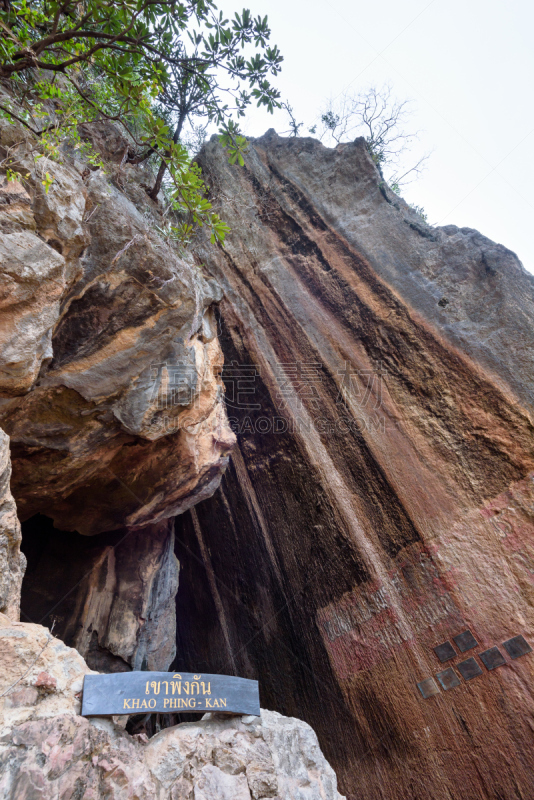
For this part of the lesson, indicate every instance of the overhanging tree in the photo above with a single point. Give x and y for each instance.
(72, 62)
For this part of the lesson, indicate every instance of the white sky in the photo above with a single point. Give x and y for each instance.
(468, 65)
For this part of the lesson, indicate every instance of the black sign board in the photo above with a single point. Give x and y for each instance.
(168, 692)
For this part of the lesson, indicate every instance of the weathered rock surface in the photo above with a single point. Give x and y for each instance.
(40, 676)
(109, 360)
(33, 281)
(12, 561)
(379, 375)
(48, 751)
(379, 503)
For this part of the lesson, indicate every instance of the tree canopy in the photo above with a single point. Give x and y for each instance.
(148, 66)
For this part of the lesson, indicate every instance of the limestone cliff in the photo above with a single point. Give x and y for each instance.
(380, 499)
(372, 536)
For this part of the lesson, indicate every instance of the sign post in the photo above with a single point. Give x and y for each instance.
(168, 692)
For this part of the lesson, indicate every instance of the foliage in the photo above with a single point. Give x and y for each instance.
(419, 210)
(14, 175)
(134, 62)
(396, 189)
(235, 143)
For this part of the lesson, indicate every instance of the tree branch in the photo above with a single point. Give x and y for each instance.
(22, 122)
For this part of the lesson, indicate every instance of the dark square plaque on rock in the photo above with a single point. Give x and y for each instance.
(445, 651)
(492, 658)
(448, 678)
(465, 641)
(428, 687)
(516, 647)
(168, 692)
(469, 669)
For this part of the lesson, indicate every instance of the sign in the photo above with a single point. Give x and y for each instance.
(168, 692)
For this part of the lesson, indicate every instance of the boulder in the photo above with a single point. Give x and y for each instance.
(47, 750)
(109, 359)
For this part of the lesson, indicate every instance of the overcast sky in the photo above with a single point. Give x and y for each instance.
(468, 66)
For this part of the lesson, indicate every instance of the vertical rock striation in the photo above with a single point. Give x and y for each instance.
(380, 500)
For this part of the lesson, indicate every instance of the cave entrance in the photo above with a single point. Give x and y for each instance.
(68, 587)
(110, 596)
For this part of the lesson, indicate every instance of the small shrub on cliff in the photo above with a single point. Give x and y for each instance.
(146, 65)
(381, 119)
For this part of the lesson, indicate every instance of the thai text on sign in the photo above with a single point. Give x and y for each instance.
(168, 692)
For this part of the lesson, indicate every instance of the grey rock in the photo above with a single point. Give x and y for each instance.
(12, 561)
(46, 748)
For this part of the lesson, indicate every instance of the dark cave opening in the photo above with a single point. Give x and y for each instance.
(60, 572)
(64, 589)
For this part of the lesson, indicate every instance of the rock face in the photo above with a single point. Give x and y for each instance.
(110, 391)
(369, 551)
(381, 498)
(48, 751)
(12, 561)
(109, 359)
